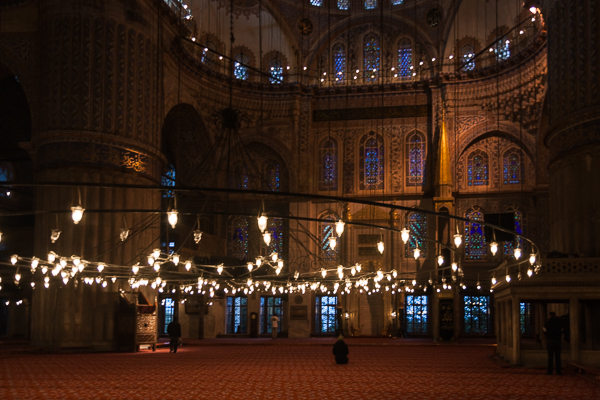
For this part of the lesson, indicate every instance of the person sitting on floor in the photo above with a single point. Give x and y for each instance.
(340, 351)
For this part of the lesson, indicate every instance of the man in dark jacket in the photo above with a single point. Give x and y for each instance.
(340, 351)
(174, 331)
(553, 328)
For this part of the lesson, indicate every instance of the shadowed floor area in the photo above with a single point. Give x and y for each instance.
(286, 369)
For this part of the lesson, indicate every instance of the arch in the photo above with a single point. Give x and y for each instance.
(238, 237)
(475, 243)
(262, 167)
(371, 56)
(513, 167)
(405, 57)
(478, 168)
(328, 178)
(416, 156)
(371, 163)
(506, 131)
(339, 62)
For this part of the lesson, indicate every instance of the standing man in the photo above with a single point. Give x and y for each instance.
(274, 326)
(174, 331)
(553, 328)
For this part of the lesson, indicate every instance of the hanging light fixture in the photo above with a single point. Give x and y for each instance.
(457, 240)
(529, 272)
(262, 223)
(417, 253)
(358, 267)
(220, 269)
(517, 253)
(507, 276)
(258, 262)
(75, 260)
(494, 281)
(156, 253)
(34, 263)
(175, 258)
(188, 265)
(339, 227)
(13, 259)
(532, 258)
(405, 235)
(494, 247)
(250, 266)
(197, 236)
(54, 235)
(323, 272)
(380, 246)
(440, 260)
(124, 234)
(332, 242)
(77, 213)
(267, 238)
(51, 257)
(454, 267)
(172, 217)
(135, 269)
(156, 267)
(274, 256)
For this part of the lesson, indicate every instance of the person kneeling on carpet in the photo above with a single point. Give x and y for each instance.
(340, 351)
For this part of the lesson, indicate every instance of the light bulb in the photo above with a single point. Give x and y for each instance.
(14, 258)
(258, 262)
(280, 263)
(296, 275)
(394, 273)
(530, 272)
(417, 253)
(44, 270)
(267, 238)
(274, 257)
(532, 258)
(123, 234)
(156, 267)
(188, 265)
(414, 282)
(77, 214)
(323, 272)
(478, 286)
(494, 248)
(135, 269)
(405, 235)
(358, 267)
(220, 269)
(0, 236)
(100, 267)
(54, 235)
(380, 246)
(339, 227)
(517, 253)
(250, 266)
(440, 260)
(494, 280)
(332, 242)
(75, 260)
(533, 9)
(457, 240)
(262, 223)
(172, 217)
(507, 278)
(150, 260)
(156, 253)
(197, 236)
(175, 258)
(17, 277)
(454, 266)
(34, 263)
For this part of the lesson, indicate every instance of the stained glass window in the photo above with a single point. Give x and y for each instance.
(397, 2)
(513, 167)
(478, 169)
(415, 160)
(475, 245)
(525, 318)
(326, 314)
(339, 63)
(328, 165)
(270, 306)
(466, 55)
(370, 4)
(502, 49)
(209, 56)
(6, 175)
(275, 227)
(372, 162)
(238, 245)
(275, 71)
(237, 314)
(509, 246)
(417, 225)
(343, 4)
(371, 55)
(240, 178)
(272, 174)
(240, 69)
(169, 311)
(404, 57)
(316, 3)
(416, 314)
(326, 230)
(477, 314)
(168, 180)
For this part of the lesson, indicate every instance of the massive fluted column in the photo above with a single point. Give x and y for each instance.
(573, 100)
(98, 124)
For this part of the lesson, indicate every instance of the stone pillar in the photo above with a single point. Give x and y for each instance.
(516, 331)
(99, 125)
(573, 136)
(574, 327)
(435, 314)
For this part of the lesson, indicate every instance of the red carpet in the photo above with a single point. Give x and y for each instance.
(287, 370)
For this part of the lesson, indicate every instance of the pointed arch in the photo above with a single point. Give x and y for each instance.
(513, 166)
(405, 57)
(328, 164)
(339, 63)
(238, 237)
(478, 169)
(371, 57)
(416, 152)
(475, 244)
(372, 162)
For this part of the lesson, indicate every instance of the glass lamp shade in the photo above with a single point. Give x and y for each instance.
(454, 266)
(323, 272)
(77, 214)
(262, 223)
(457, 240)
(494, 281)
(51, 257)
(530, 272)
(440, 260)
(339, 227)
(250, 266)
(417, 253)
(175, 258)
(405, 235)
(197, 236)
(517, 253)
(532, 259)
(124, 234)
(332, 242)
(494, 248)
(274, 257)
(0, 236)
(172, 216)
(220, 269)
(279, 263)
(508, 278)
(54, 235)
(380, 246)
(34, 263)
(267, 238)
(135, 269)
(13, 259)
(258, 262)
(358, 267)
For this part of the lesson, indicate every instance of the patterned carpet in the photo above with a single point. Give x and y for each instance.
(282, 370)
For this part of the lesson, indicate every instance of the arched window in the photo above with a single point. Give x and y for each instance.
(328, 165)
(275, 227)
(168, 180)
(316, 3)
(397, 2)
(475, 247)
(240, 178)
(339, 63)
(466, 57)
(275, 71)
(404, 57)
(271, 175)
(343, 4)
(372, 162)
(417, 225)
(371, 55)
(509, 246)
(6, 175)
(326, 230)
(514, 169)
(478, 169)
(502, 49)
(240, 69)
(238, 238)
(415, 159)
(370, 4)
